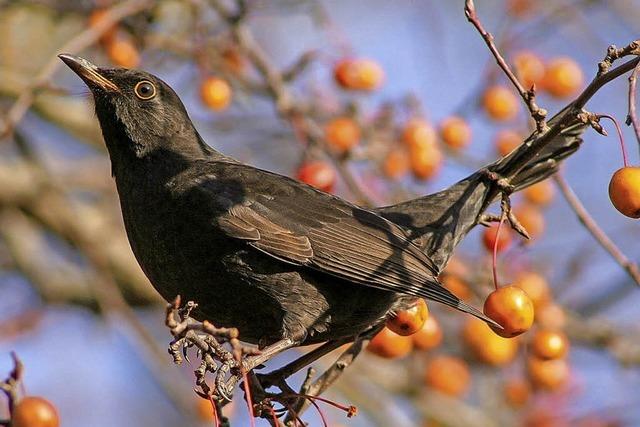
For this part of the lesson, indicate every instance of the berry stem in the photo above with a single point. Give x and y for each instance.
(247, 393)
(494, 261)
(625, 160)
(273, 415)
(322, 417)
(214, 410)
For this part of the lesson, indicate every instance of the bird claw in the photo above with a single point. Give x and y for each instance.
(218, 349)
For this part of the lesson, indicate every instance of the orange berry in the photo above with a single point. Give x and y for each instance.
(396, 163)
(342, 134)
(486, 345)
(563, 77)
(548, 374)
(123, 53)
(425, 160)
(215, 93)
(506, 141)
(517, 392)
(389, 345)
(408, 322)
(205, 412)
(548, 344)
(447, 374)
(94, 18)
(541, 193)
(456, 285)
(529, 68)
(33, 411)
(535, 286)
(511, 308)
(520, 8)
(542, 418)
(531, 218)
(343, 73)
(318, 174)
(358, 74)
(550, 316)
(456, 267)
(500, 103)
(455, 132)
(234, 61)
(624, 191)
(490, 234)
(419, 132)
(429, 336)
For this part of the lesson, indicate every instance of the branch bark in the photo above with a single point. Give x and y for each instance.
(592, 226)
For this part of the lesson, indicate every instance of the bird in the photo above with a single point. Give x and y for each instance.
(283, 262)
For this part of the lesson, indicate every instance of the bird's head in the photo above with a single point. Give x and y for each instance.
(138, 112)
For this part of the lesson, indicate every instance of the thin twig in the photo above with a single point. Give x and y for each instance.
(613, 53)
(625, 160)
(13, 382)
(632, 118)
(592, 226)
(570, 117)
(528, 96)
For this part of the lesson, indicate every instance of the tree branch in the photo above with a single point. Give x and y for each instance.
(592, 226)
(528, 96)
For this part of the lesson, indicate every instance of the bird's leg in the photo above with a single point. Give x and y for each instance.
(243, 365)
(219, 349)
(268, 352)
(323, 382)
(278, 376)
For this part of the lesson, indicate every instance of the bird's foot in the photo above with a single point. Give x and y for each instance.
(220, 353)
(219, 350)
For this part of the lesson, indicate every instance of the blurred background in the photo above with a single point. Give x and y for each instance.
(376, 101)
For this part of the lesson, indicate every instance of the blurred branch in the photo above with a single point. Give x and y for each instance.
(592, 226)
(81, 41)
(28, 186)
(286, 104)
(600, 333)
(28, 249)
(36, 193)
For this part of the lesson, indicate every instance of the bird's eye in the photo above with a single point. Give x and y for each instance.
(145, 90)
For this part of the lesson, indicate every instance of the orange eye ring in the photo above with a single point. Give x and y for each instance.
(145, 90)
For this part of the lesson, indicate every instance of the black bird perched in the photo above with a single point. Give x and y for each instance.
(283, 262)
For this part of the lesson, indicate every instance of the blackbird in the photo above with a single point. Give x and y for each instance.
(281, 261)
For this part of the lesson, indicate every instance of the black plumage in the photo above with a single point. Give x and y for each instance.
(264, 253)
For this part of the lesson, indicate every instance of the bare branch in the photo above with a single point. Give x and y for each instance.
(632, 118)
(592, 226)
(10, 386)
(528, 96)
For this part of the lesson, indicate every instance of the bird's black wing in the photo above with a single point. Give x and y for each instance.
(296, 223)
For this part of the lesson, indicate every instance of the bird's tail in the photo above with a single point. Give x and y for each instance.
(438, 222)
(440, 294)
